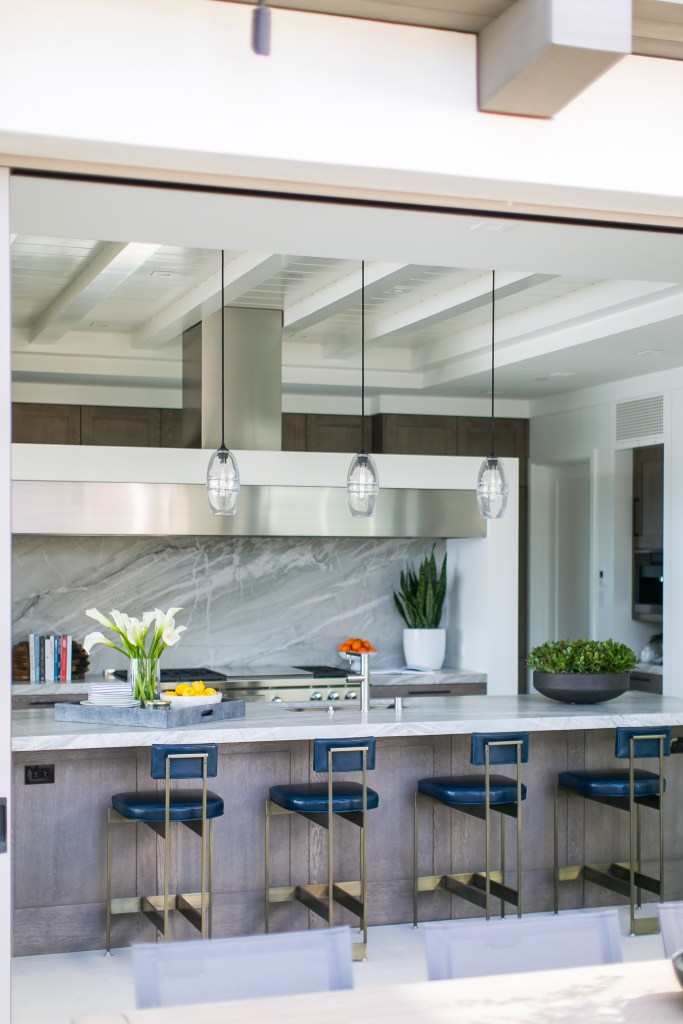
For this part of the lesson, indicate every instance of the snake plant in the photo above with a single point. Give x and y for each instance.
(422, 594)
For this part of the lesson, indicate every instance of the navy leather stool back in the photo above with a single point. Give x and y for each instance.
(499, 754)
(185, 767)
(352, 762)
(642, 748)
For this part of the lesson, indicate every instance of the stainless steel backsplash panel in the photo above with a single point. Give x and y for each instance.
(142, 509)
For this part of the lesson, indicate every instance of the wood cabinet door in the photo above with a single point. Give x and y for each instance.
(336, 433)
(648, 496)
(130, 428)
(293, 432)
(512, 440)
(415, 435)
(38, 423)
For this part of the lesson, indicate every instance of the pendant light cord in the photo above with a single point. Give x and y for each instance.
(493, 377)
(222, 349)
(362, 356)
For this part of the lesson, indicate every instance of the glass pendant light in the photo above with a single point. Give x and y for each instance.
(492, 482)
(223, 476)
(362, 481)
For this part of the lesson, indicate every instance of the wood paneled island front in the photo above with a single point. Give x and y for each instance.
(59, 829)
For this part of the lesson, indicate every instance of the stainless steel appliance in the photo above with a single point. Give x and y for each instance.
(275, 684)
(648, 585)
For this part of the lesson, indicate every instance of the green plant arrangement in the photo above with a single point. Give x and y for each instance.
(420, 600)
(582, 657)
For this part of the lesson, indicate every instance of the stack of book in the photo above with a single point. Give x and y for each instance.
(49, 658)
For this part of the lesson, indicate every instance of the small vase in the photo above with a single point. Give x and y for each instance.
(424, 648)
(143, 676)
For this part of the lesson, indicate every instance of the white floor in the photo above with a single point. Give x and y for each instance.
(52, 989)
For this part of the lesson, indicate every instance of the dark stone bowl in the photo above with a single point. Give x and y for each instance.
(581, 689)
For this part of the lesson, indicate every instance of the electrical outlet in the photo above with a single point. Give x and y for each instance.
(39, 773)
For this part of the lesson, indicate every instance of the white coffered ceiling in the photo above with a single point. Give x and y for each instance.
(105, 279)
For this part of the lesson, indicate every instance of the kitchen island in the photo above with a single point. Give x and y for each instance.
(60, 831)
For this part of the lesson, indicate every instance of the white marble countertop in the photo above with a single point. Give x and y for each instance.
(37, 729)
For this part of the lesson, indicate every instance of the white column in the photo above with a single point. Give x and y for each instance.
(5, 589)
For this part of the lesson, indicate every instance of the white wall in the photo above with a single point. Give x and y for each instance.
(341, 103)
(585, 428)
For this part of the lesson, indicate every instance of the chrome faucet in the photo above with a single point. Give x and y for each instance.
(363, 678)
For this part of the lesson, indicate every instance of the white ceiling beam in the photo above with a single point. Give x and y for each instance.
(473, 294)
(592, 308)
(247, 271)
(338, 296)
(112, 263)
(539, 54)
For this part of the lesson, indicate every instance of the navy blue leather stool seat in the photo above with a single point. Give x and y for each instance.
(185, 805)
(160, 809)
(320, 803)
(478, 795)
(611, 782)
(625, 789)
(469, 789)
(312, 797)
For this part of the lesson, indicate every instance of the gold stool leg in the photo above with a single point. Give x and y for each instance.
(502, 859)
(211, 879)
(330, 846)
(107, 942)
(415, 861)
(267, 869)
(556, 867)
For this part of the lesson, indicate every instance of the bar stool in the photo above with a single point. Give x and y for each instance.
(158, 809)
(479, 795)
(627, 789)
(320, 802)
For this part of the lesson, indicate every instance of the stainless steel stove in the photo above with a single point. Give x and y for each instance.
(293, 683)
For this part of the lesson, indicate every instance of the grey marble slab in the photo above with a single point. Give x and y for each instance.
(246, 601)
(420, 716)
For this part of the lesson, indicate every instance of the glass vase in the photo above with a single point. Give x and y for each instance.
(143, 676)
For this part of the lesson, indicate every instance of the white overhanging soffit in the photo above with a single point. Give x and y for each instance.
(539, 54)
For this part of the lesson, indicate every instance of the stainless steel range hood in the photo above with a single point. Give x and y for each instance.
(63, 489)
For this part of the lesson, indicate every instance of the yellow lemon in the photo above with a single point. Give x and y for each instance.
(169, 693)
(198, 686)
(209, 691)
(181, 689)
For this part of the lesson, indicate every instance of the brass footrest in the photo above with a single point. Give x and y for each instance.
(471, 886)
(187, 903)
(615, 877)
(314, 897)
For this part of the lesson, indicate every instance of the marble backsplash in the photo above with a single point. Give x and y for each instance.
(246, 601)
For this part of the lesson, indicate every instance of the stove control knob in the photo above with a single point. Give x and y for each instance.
(333, 695)
(276, 700)
(350, 695)
(316, 695)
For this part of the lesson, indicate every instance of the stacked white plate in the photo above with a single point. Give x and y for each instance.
(111, 695)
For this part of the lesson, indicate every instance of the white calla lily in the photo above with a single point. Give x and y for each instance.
(171, 636)
(95, 638)
(139, 638)
(93, 613)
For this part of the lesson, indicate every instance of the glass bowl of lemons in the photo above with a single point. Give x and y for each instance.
(187, 695)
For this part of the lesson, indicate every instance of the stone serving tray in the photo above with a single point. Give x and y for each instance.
(149, 718)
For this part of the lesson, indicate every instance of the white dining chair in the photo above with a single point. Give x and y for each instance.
(671, 924)
(473, 948)
(244, 967)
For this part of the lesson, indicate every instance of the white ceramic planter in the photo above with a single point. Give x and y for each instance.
(424, 648)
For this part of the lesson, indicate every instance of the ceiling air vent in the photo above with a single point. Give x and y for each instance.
(640, 422)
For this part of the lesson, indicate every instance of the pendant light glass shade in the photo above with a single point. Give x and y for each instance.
(223, 476)
(492, 483)
(362, 479)
(492, 488)
(362, 485)
(223, 483)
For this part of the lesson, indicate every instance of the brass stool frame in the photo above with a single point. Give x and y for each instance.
(321, 898)
(196, 907)
(477, 886)
(622, 877)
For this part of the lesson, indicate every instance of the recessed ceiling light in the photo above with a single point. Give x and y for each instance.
(162, 273)
(563, 373)
(398, 290)
(652, 351)
(493, 225)
(100, 326)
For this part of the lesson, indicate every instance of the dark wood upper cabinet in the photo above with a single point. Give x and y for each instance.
(415, 435)
(336, 433)
(34, 423)
(648, 497)
(293, 432)
(512, 440)
(172, 428)
(129, 428)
